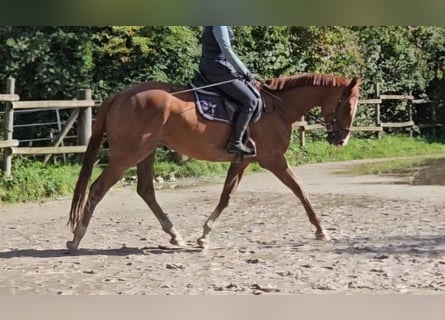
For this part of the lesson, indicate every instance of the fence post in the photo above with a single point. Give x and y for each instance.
(85, 118)
(434, 119)
(8, 129)
(302, 132)
(409, 106)
(377, 110)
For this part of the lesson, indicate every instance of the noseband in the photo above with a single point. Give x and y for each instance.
(331, 126)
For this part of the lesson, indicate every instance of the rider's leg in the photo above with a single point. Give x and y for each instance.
(241, 93)
(236, 144)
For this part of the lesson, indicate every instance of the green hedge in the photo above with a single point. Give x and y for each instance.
(53, 62)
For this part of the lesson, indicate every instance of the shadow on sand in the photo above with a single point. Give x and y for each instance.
(124, 251)
(433, 246)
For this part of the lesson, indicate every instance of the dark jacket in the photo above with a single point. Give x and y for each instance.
(217, 54)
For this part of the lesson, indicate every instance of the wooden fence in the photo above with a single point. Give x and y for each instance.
(82, 113)
(378, 127)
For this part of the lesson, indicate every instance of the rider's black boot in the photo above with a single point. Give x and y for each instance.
(236, 144)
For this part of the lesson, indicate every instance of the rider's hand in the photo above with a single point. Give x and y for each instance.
(247, 77)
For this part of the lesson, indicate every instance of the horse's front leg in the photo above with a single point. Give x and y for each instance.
(280, 168)
(146, 190)
(231, 183)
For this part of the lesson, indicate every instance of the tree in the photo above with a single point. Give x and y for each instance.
(47, 62)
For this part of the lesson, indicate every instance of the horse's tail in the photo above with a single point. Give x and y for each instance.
(80, 195)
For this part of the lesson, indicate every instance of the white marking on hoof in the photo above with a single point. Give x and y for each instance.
(178, 242)
(323, 235)
(203, 243)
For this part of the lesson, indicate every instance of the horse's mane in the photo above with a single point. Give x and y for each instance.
(306, 79)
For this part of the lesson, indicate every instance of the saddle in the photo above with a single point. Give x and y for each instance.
(214, 105)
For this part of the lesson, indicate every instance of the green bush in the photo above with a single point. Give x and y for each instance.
(34, 181)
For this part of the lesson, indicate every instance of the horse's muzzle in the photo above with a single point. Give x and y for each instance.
(338, 138)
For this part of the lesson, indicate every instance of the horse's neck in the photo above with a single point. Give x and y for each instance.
(299, 101)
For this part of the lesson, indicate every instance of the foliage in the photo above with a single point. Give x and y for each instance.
(34, 181)
(265, 50)
(47, 62)
(393, 59)
(137, 54)
(326, 49)
(53, 62)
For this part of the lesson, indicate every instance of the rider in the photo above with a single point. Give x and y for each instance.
(219, 63)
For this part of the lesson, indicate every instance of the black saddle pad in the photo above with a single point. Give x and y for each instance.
(213, 106)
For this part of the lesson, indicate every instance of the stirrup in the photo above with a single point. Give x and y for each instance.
(240, 149)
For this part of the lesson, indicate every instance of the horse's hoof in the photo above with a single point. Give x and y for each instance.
(203, 243)
(322, 235)
(178, 242)
(71, 247)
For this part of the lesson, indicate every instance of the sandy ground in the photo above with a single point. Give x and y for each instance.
(387, 238)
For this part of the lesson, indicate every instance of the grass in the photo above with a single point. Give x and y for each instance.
(388, 146)
(398, 166)
(34, 182)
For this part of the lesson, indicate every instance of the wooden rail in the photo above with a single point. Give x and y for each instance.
(9, 97)
(49, 150)
(8, 143)
(59, 104)
(81, 112)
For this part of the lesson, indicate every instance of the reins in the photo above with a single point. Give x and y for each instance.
(322, 122)
(266, 89)
(263, 84)
(203, 87)
(316, 119)
(261, 87)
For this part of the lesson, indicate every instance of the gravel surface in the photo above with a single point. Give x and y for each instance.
(388, 237)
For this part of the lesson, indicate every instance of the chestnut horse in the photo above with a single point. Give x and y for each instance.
(139, 118)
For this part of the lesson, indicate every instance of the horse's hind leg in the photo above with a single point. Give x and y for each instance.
(231, 183)
(146, 190)
(99, 188)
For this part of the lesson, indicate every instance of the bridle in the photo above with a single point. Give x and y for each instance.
(333, 126)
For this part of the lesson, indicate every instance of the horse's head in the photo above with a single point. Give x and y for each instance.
(339, 121)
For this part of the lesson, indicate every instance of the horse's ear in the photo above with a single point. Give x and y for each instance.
(355, 82)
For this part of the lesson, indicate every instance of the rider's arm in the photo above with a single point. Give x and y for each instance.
(221, 35)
